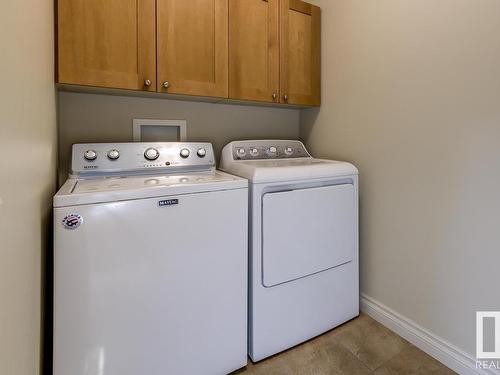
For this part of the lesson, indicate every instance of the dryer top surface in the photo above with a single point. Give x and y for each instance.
(264, 171)
(267, 161)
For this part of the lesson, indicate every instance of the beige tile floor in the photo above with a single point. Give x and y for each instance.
(361, 346)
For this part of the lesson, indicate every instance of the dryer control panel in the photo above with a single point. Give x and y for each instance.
(119, 158)
(268, 149)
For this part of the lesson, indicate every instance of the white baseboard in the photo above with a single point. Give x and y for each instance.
(435, 346)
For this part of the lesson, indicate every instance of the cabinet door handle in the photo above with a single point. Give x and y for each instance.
(285, 98)
(147, 82)
(275, 96)
(166, 84)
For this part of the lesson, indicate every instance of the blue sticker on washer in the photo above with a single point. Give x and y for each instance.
(72, 221)
(168, 202)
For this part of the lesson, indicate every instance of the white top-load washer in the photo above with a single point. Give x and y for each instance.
(150, 263)
(303, 242)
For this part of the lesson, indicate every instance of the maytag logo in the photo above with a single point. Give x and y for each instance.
(168, 202)
(90, 167)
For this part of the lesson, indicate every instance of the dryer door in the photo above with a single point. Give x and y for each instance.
(306, 231)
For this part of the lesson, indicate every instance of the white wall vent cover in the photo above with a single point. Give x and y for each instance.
(146, 130)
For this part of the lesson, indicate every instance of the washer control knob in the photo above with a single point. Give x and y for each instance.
(90, 155)
(201, 152)
(184, 153)
(113, 154)
(288, 150)
(151, 154)
(241, 151)
(254, 151)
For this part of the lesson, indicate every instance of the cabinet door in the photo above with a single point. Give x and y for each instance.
(107, 43)
(300, 72)
(254, 50)
(192, 52)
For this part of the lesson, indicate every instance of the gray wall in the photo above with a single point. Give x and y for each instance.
(411, 95)
(28, 169)
(104, 118)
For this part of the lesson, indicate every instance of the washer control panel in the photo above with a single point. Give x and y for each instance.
(268, 149)
(116, 158)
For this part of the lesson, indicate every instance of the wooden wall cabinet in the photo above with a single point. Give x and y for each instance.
(300, 53)
(255, 50)
(275, 51)
(107, 43)
(192, 51)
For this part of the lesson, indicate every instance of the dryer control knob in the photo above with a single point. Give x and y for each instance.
(90, 155)
(151, 154)
(272, 151)
(288, 150)
(184, 153)
(254, 152)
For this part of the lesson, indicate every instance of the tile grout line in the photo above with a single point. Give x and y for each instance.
(407, 345)
(354, 354)
(394, 356)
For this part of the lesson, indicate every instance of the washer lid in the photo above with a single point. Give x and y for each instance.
(276, 170)
(98, 190)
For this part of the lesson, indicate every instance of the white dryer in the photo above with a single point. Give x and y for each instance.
(150, 263)
(303, 242)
